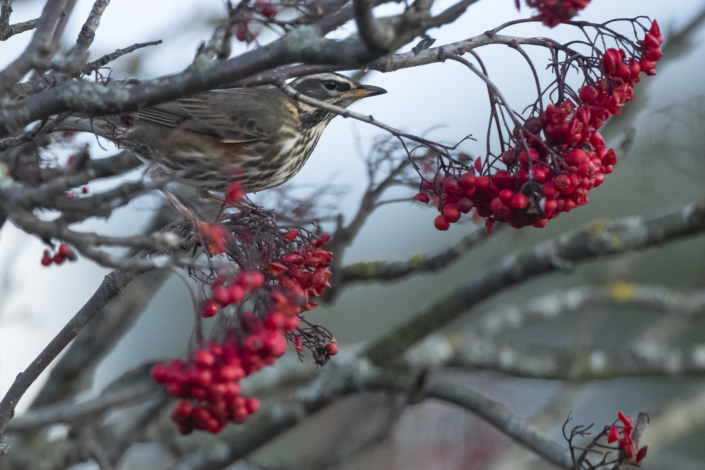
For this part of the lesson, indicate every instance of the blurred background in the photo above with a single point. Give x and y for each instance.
(663, 170)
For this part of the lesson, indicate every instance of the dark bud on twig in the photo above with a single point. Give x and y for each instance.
(423, 44)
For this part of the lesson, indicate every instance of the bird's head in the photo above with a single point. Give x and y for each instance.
(334, 88)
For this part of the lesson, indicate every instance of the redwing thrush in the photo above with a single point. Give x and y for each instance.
(259, 136)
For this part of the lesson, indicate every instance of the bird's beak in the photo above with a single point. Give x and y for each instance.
(363, 91)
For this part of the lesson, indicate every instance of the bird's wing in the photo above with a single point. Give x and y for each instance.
(241, 115)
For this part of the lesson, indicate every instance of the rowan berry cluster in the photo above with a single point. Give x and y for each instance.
(223, 296)
(243, 32)
(554, 12)
(549, 175)
(62, 254)
(209, 382)
(212, 376)
(624, 438)
(303, 274)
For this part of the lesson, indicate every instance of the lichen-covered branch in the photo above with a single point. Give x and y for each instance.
(389, 271)
(87, 33)
(6, 29)
(38, 50)
(304, 44)
(353, 377)
(599, 239)
(640, 360)
(67, 412)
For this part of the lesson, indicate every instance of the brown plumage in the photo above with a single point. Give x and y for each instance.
(260, 136)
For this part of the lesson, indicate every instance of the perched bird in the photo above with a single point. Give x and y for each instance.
(259, 136)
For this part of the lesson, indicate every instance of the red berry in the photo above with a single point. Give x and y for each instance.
(221, 295)
(241, 31)
(235, 294)
(482, 183)
(506, 195)
(251, 405)
(209, 309)
(467, 180)
(465, 205)
(269, 10)
(331, 349)
(204, 359)
(46, 259)
(550, 206)
(441, 223)
(183, 409)
(452, 186)
(231, 372)
(451, 213)
(519, 201)
(160, 374)
(509, 157)
(541, 173)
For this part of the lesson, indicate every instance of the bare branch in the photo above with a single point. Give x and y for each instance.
(73, 371)
(375, 33)
(106, 59)
(7, 31)
(70, 411)
(111, 287)
(386, 271)
(38, 51)
(87, 33)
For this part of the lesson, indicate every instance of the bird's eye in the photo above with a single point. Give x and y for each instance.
(342, 86)
(329, 84)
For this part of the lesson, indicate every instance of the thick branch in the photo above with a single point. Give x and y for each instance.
(7, 30)
(355, 377)
(598, 239)
(38, 51)
(304, 44)
(377, 35)
(71, 411)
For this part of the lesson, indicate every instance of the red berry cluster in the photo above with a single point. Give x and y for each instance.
(214, 236)
(222, 295)
(242, 29)
(625, 438)
(213, 374)
(554, 12)
(557, 172)
(62, 254)
(211, 377)
(302, 274)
